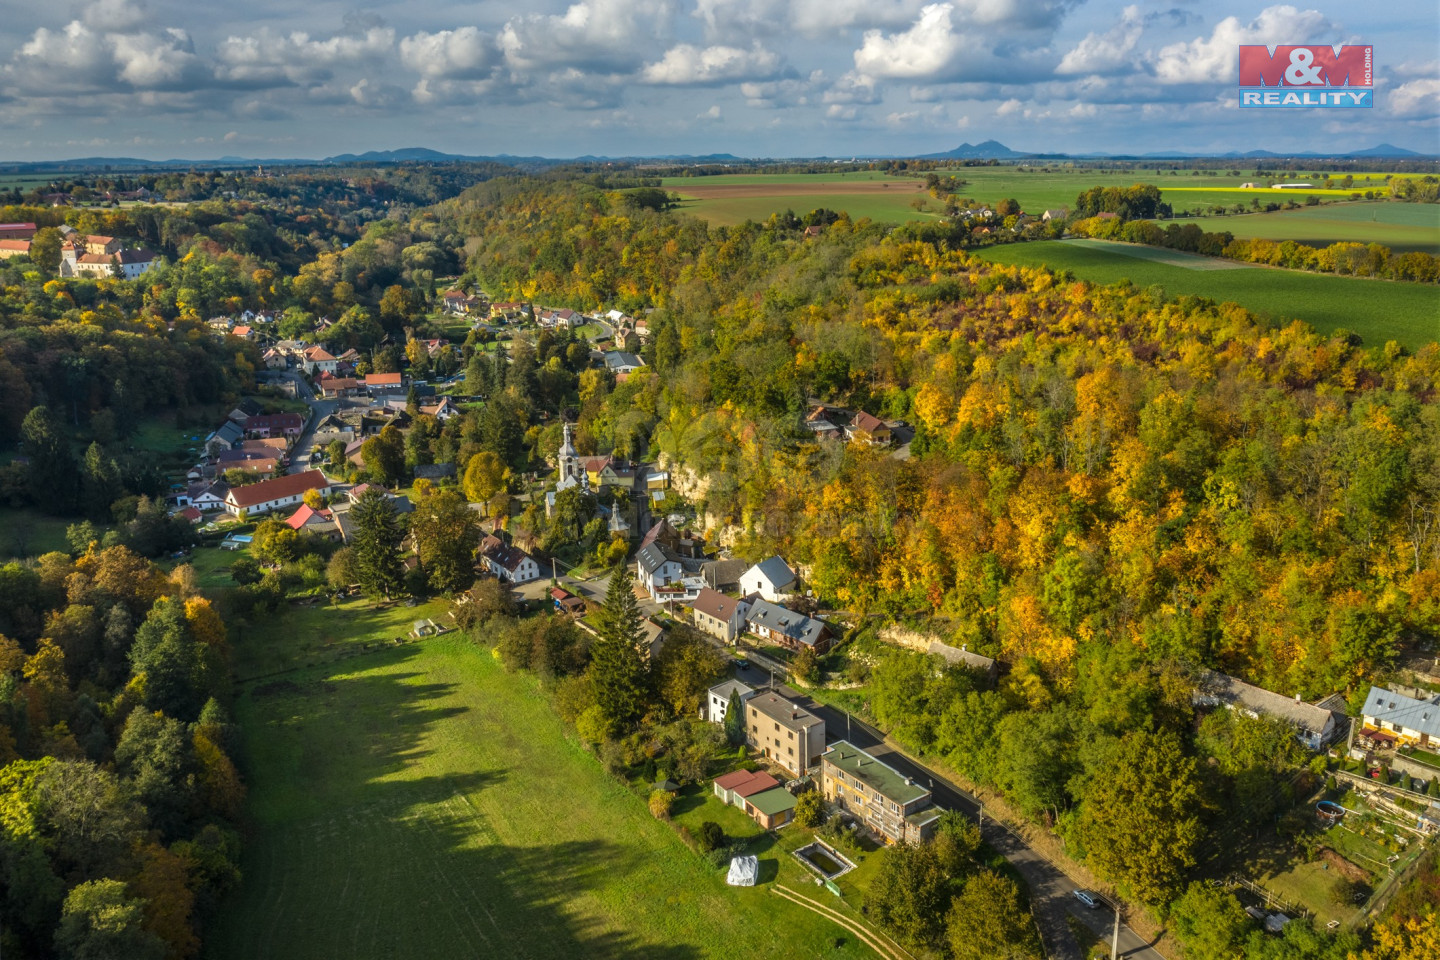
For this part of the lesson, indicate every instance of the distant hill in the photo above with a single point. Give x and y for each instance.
(988, 150)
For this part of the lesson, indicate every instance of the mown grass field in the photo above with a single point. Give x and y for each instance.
(28, 533)
(1399, 226)
(316, 632)
(1376, 310)
(733, 198)
(420, 802)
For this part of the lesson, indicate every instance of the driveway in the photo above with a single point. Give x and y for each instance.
(319, 410)
(1051, 890)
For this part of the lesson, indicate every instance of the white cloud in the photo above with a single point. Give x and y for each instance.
(926, 49)
(1105, 52)
(148, 61)
(1215, 59)
(1416, 99)
(1030, 14)
(114, 16)
(80, 59)
(819, 17)
(687, 65)
(296, 58)
(1008, 107)
(465, 52)
(1083, 110)
(839, 112)
(714, 113)
(600, 35)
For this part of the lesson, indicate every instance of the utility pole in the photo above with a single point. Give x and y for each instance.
(1115, 934)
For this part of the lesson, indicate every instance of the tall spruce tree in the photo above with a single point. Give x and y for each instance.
(52, 475)
(377, 544)
(735, 719)
(616, 665)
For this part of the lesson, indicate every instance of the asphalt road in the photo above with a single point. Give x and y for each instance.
(1051, 890)
(319, 409)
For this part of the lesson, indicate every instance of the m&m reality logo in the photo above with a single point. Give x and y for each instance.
(1309, 75)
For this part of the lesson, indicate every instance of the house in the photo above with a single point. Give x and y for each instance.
(212, 497)
(442, 410)
(226, 436)
(962, 657)
(244, 332)
(287, 425)
(509, 563)
(821, 423)
(618, 361)
(652, 638)
(786, 628)
(268, 495)
(655, 568)
(718, 615)
(14, 248)
(616, 473)
(885, 800)
(382, 383)
(17, 231)
(321, 523)
(566, 602)
(1315, 726)
(771, 578)
(717, 700)
(1106, 215)
(316, 359)
(101, 246)
(785, 732)
(723, 575)
(868, 428)
(1411, 722)
(125, 264)
(759, 795)
(275, 360)
(1058, 213)
(340, 387)
(192, 514)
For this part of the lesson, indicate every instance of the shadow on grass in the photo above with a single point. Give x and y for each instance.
(348, 857)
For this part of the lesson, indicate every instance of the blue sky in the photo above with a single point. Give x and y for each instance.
(276, 78)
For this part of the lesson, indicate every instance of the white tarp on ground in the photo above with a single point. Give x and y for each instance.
(743, 871)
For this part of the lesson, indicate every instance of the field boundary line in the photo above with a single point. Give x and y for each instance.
(879, 943)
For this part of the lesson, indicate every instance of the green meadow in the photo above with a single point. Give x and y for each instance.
(1376, 310)
(1399, 226)
(418, 801)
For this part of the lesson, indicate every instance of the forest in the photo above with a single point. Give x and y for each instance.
(1107, 490)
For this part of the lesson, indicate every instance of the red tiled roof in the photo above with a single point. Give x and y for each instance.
(383, 380)
(21, 245)
(867, 422)
(290, 485)
(747, 783)
(304, 515)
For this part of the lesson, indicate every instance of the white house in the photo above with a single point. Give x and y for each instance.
(718, 615)
(717, 701)
(771, 578)
(1315, 723)
(1409, 721)
(654, 568)
(319, 360)
(618, 361)
(268, 495)
(508, 563)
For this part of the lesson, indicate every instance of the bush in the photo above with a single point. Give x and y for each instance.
(710, 836)
(810, 809)
(660, 803)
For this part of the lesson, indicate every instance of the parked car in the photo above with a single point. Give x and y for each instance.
(1087, 898)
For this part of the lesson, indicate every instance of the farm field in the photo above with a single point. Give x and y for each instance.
(1376, 310)
(732, 198)
(1399, 226)
(421, 802)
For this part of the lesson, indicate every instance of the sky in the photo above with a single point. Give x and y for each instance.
(758, 78)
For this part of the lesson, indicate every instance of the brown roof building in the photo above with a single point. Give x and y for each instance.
(268, 495)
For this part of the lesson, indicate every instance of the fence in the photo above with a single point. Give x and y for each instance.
(1270, 898)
